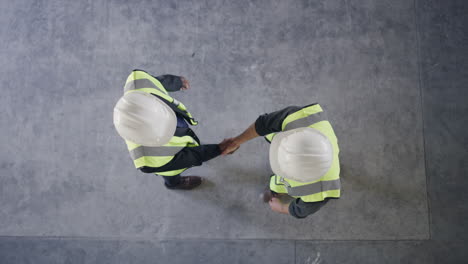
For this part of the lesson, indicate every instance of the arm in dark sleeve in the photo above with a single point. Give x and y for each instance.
(187, 157)
(272, 122)
(301, 209)
(170, 82)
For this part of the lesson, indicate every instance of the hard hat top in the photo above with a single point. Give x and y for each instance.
(144, 119)
(302, 154)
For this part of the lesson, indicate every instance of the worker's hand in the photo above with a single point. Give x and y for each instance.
(224, 144)
(231, 146)
(279, 207)
(185, 84)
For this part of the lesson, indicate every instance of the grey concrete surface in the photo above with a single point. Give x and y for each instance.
(374, 65)
(53, 251)
(67, 173)
(444, 76)
(412, 252)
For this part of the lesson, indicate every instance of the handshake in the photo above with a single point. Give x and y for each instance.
(228, 146)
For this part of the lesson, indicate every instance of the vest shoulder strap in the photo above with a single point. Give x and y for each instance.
(140, 79)
(305, 117)
(178, 108)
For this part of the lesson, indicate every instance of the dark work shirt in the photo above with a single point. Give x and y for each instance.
(181, 121)
(171, 83)
(272, 123)
(301, 209)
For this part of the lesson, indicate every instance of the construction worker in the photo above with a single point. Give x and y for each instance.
(154, 126)
(303, 155)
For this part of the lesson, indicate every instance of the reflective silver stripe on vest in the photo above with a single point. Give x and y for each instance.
(177, 103)
(314, 188)
(154, 151)
(138, 84)
(306, 121)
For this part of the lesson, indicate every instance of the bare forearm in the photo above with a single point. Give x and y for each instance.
(247, 135)
(234, 143)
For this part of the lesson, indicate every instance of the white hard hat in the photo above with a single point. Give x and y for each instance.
(144, 119)
(302, 154)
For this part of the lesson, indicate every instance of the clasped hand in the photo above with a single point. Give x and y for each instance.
(228, 146)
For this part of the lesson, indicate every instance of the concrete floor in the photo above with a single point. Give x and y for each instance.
(392, 76)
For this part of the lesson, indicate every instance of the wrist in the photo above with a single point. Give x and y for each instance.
(237, 141)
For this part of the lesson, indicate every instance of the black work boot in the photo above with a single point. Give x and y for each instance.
(186, 183)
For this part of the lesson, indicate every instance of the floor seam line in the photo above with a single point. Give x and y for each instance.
(421, 97)
(295, 252)
(206, 239)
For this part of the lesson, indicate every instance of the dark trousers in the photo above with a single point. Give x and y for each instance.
(171, 181)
